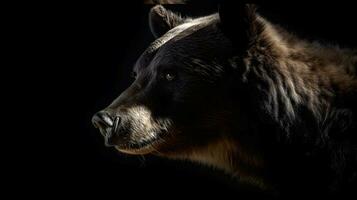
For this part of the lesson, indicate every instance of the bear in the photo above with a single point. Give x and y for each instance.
(236, 92)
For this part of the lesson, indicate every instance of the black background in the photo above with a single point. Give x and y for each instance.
(75, 59)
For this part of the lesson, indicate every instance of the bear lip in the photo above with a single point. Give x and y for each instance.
(148, 147)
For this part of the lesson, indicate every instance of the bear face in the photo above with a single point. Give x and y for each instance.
(179, 92)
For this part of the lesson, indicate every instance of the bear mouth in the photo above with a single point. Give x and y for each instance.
(141, 148)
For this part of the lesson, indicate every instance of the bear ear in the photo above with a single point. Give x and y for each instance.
(162, 20)
(239, 23)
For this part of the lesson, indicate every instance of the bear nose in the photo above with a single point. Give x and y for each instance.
(102, 120)
(107, 126)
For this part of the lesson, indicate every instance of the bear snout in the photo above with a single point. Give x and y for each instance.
(108, 126)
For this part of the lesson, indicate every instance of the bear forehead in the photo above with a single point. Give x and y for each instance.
(183, 40)
(182, 31)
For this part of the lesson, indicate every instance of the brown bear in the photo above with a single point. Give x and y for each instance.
(239, 93)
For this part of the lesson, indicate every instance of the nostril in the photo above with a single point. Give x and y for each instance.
(102, 120)
(116, 124)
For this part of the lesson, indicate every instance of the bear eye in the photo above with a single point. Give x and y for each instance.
(169, 76)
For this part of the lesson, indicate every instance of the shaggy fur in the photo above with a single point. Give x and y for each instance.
(249, 98)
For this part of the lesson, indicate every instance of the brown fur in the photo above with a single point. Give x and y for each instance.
(292, 72)
(259, 103)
